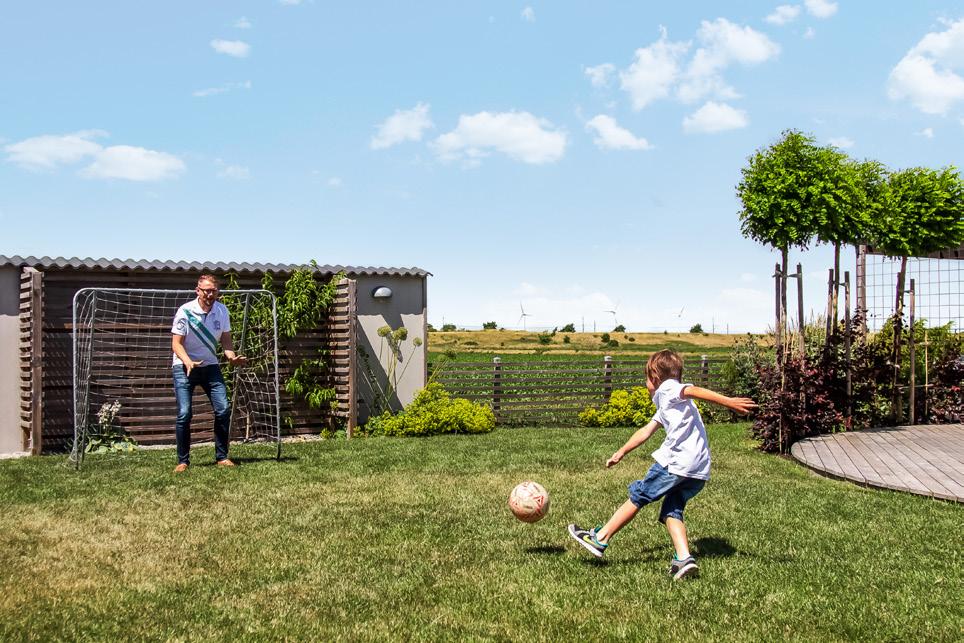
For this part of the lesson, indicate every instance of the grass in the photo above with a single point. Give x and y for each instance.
(383, 539)
(483, 344)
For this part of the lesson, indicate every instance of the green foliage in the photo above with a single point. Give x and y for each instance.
(448, 328)
(489, 325)
(632, 407)
(631, 339)
(696, 328)
(613, 343)
(107, 437)
(568, 328)
(431, 328)
(604, 338)
(545, 338)
(433, 412)
(619, 329)
(566, 339)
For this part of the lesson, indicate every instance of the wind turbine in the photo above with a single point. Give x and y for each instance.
(522, 317)
(613, 312)
(680, 313)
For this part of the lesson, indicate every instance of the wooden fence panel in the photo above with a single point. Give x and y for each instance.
(554, 392)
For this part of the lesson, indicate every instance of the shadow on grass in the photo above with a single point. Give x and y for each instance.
(713, 547)
(253, 459)
(546, 550)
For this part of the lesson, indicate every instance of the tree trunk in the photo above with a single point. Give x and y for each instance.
(896, 406)
(783, 296)
(836, 287)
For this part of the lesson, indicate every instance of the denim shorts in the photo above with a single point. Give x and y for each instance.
(659, 483)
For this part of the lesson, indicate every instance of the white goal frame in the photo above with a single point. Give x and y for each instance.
(82, 369)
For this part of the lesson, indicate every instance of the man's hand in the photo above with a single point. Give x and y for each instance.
(741, 405)
(616, 457)
(236, 360)
(190, 364)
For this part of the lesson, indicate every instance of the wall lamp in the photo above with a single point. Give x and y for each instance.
(382, 292)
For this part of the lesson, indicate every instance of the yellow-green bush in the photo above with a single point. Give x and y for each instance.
(631, 407)
(434, 412)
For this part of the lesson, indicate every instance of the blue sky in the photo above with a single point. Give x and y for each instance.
(567, 157)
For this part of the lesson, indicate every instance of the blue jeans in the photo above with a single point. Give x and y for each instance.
(210, 379)
(675, 490)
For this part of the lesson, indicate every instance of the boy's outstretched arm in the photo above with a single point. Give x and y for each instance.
(637, 439)
(741, 405)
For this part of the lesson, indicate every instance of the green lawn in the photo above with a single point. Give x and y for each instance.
(411, 539)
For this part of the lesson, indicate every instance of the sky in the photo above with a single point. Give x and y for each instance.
(561, 158)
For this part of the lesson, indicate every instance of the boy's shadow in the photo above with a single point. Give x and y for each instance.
(713, 547)
(268, 458)
(547, 550)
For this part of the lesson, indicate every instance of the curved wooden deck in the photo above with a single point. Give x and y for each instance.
(927, 460)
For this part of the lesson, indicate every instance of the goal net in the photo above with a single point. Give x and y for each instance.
(122, 363)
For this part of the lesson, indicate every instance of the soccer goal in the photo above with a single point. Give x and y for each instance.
(122, 361)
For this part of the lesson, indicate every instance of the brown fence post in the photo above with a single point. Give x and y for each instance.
(607, 377)
(913, 361)
(831, 301)
(802, 321)
(847, 330)
(778, 328)
(704, 371)
(496, 384)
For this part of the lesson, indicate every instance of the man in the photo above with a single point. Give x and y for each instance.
(198, 327)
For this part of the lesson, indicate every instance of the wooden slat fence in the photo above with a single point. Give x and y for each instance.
(555, 391)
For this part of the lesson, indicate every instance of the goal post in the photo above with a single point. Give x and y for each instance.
(122, 362)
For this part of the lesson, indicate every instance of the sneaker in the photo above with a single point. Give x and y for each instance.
(587, 538)
(181, 468)
(225, 463)
(686, 568)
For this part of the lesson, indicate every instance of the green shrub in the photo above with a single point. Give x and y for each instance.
(631, 407)
(448, 328)
(619, 329)
(696, 328)
(604, 338)
(568, 328)
(490, 325)
(565, 339)
(434, 412)
(545, 338)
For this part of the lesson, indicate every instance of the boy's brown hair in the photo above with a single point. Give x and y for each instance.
(664, 365)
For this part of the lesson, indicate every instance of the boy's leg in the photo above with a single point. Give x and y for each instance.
(671, 515)
(620, 519)
(677, 533)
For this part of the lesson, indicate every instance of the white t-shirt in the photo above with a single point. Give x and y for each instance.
(201, 330)
(686, 450)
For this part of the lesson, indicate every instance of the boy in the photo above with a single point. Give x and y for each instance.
(682, 462)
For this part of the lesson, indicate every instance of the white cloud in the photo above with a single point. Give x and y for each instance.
(242, 23)
(213, 91)
(820, 8)
(784, 14)
(600, 74)
(927, 75)
(723, 43)
(518, 135)
(841, 142)
(236, 48)
(51, 150)
(927, 132)
(610, 136)
(403, 125)
(809, 33)
(715, 117)
(529, 14)
(133, 164)
(334, 182)
(233, 172)
(654, 71)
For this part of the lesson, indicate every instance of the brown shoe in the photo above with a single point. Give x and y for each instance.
(181, 468)
(225, 463)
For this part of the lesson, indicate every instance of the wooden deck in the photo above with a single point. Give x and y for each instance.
(927, 460)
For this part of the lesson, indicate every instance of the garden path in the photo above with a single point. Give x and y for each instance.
(927, 460)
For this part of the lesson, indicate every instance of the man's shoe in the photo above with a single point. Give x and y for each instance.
(686, 568)
(181, 468)
(225, 463)
(587, 538)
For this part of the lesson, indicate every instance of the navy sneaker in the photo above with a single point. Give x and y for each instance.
(686, 568)
(587, 538)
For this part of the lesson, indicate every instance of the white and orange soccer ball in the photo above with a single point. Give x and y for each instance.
(529, 501)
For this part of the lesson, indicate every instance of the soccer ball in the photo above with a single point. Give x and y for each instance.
(529, 501)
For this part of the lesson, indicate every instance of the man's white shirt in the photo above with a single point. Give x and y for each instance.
(686, 450)
(201, 330)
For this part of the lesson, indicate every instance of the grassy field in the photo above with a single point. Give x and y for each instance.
(384, 539)
(483, 344)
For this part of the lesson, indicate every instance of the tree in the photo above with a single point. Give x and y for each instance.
(490, 325)
(923, 212)
(778, 197)
(568, 328)
(696, 328)
(619, 329)
(448, 328)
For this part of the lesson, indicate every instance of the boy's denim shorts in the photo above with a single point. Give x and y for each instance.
(659, 483)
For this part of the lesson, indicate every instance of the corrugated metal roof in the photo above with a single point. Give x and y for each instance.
(62, 263)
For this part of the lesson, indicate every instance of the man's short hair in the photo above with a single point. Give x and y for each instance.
(664, 365)
(209, 277)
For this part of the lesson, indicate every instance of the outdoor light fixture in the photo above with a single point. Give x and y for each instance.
(382, 292)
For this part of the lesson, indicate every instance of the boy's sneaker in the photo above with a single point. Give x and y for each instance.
(587, 538)
(686, 568)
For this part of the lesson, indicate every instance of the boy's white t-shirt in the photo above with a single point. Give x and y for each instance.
(686, 450)
(201, 330)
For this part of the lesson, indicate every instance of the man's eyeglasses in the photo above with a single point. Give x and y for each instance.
(208, 291)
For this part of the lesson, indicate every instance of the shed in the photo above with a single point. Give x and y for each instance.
(36, 354)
